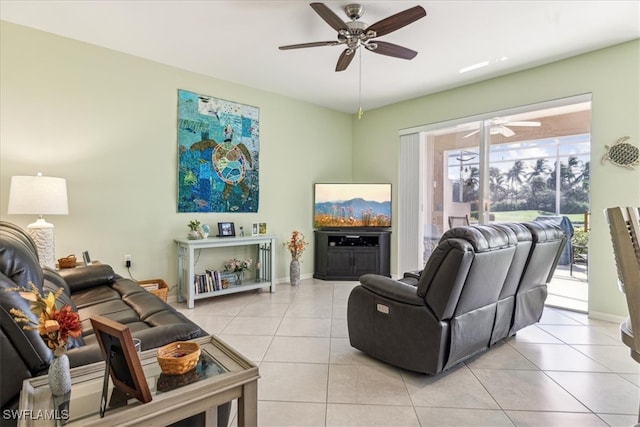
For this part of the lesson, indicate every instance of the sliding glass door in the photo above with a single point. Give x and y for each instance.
(517, 165)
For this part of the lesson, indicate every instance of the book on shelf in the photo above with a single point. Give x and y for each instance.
(209, 281)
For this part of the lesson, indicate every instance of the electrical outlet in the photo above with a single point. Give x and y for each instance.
(127, 260)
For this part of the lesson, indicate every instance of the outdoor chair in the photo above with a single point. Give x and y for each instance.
(458, 221)
(624, 226)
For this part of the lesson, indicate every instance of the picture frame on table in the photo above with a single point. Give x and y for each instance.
(226, 229)
(262, 228)
(255, 229)
(122, 361)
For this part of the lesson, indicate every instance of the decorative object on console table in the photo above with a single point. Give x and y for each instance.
(238, 268)
(204, 231)
(296, 246)
(194, 227)
(226, 229)
(39, 195)
(55, 326)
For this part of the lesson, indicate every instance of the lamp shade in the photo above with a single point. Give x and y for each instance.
(39, 195)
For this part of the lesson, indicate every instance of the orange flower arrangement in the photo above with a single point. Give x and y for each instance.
(296, 244)
(55, 326)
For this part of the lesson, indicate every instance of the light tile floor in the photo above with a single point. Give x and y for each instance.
(568, 370)
(569, 290)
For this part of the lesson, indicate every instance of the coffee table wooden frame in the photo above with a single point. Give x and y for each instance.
(240, 382)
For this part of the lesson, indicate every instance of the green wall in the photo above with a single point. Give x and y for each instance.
(612, 77)
(106, 122)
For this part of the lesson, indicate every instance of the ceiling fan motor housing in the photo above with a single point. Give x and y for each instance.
(354, 11)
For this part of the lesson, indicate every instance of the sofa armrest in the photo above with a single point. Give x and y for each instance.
(392, 289)
(87, 277)
(415, 274)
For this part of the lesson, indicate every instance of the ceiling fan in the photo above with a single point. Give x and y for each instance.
(355, 34)
(499, 126)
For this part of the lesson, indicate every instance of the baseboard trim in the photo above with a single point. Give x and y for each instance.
(606, 317)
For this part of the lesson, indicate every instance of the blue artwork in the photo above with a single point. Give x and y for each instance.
(218, 148)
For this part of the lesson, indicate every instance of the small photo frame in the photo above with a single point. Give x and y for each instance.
(119, 353)
(86, 258)
(254, 229)
(226, 229)
(262, 228)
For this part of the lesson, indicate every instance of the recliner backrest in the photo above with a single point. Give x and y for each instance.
(19, 256)
(548, 242)
(523, 249)
(466, 270)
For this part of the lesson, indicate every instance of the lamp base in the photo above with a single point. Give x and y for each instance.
(43, 236)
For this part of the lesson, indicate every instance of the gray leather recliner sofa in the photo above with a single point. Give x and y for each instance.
(480, 285)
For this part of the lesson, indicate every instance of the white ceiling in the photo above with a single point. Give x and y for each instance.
(238, 41)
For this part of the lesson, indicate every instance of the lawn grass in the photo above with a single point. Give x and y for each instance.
(519, 216)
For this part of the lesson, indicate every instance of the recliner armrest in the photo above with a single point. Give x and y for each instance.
(87, 277)
(392, 289)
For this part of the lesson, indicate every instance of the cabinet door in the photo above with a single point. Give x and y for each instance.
(339, 262)
(366, 261)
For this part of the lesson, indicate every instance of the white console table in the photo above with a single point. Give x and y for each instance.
(265, 259)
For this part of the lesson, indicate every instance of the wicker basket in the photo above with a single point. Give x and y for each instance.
(178, 357)
(162, 290)
(67, 262)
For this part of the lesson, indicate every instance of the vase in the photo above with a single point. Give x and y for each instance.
(59, 375)
(239, 277)
(294, 272)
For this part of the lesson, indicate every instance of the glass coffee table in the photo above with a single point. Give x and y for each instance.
(221, 375)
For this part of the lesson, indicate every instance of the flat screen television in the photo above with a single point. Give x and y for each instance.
(344, 205)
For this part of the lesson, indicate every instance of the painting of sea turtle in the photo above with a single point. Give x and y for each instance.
(230, 162)
(218, 152)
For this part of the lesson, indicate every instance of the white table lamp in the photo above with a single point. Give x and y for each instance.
(40, 195)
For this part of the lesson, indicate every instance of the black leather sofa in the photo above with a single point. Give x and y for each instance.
(480, 285)
(89, 290)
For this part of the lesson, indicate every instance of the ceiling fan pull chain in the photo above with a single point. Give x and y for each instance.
(360, 112)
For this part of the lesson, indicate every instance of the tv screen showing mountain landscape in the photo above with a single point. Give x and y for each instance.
(352, 205)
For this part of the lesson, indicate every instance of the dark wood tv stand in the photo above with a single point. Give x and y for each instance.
(348, 254)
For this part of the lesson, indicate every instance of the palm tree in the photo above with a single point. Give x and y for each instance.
(514, 176)
(541, 169)
(536, 178)
(496, 184)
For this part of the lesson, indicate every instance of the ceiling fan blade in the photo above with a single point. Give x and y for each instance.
(345, 59)
(505, 131)
(532, 124)
(397, 21)
(313, 44)
(390, 49)
(472, 133)
(329, 17)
